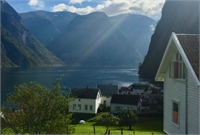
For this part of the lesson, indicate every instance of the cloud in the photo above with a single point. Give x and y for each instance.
(37, 4)
(147, 7)
(81, 11)
(76, 1)
(115, 7)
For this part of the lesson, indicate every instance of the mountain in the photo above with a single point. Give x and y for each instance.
(18, 46)
(177, 16)
(138, 29)
(46, 26)
(96, 39)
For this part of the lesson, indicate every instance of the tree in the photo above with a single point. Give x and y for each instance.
(108, 119)
(128, 118)
(34, 109)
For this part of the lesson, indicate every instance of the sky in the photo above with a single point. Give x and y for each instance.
(150, 8)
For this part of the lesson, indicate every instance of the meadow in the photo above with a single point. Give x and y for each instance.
(145, 126)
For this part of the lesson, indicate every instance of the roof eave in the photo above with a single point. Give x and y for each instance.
(160, 75)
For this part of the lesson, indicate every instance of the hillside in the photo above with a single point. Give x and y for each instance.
(96, 39)
(177, 16)
(18, 47)
(46, 26)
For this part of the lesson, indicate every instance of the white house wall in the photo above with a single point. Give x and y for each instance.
(97, 102)
(107, 99)
(193, 106)
(83, 102)
(174, 91)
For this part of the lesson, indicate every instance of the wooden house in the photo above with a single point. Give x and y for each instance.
(121, 102)
(179, 70)
(107, 91)
(87, 100)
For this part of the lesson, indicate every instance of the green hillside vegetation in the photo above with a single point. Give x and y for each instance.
(18, 46)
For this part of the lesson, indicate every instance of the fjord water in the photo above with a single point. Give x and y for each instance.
(74, 76)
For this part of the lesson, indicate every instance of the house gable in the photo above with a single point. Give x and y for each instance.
(188, 56)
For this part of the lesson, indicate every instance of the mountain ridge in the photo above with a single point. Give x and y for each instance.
(19, 47)
(104, 42)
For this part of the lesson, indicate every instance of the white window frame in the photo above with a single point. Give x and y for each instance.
(177, 69)
(181, 66)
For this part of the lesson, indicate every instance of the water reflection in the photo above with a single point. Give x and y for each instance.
(73, 77)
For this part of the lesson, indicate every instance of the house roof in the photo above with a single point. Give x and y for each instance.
(87, 93)
(125, 99)
(124, 89)
(108, 90)
(139, 86)
(188, 47)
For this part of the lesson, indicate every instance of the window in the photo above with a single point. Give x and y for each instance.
(74, 106)
(118, 108)
(175, 113)
(79, 107)
(86, 107)
(104, 102)
(91, 107)
(177, 69)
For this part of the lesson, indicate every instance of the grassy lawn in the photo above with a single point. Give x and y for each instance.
(144, 126)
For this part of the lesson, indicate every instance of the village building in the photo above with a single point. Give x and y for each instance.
(121, 102)
(107, 91)
(179, 70)
(87, 100)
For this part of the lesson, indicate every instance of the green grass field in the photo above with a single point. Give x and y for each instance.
(144, 126)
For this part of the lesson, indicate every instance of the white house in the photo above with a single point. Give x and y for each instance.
(179, 69)
(120, 102)
(107, 91)
(87, 100)
(142, 88)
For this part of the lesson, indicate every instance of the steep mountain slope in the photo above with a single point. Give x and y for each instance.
(18, 47)
(137, 28)
(47, 26)
(178, 17)
(96, 39)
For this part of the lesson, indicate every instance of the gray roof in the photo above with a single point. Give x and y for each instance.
(125, 99)
(87, 93)
(108, 90)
